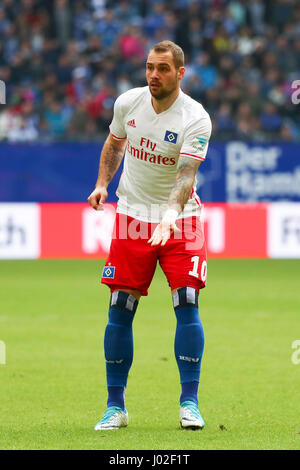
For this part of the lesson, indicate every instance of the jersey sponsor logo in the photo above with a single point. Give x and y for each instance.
(147, 143)
(150, 157)
(109, 272)
(131, 123)
(171, 137)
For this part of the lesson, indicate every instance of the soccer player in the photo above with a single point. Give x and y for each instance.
(164, 134)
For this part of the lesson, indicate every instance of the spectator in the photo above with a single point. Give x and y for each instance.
(56, 120)
(256, 10)
(108, 28)
(4, 23)
(131, 43)
(82, 22)
(238, 12)
(62, 22)
(63, 70)
(224, 122)
(205, 71)
(270, 119)
(25, 131)
(78, 122)
(8, 122)
(155, 20)
(123, 83)
(285, 133)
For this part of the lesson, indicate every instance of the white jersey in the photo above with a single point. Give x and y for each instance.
(154, 144)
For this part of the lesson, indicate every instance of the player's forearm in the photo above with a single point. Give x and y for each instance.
(186, 172)
(180, 193)
(110, 160)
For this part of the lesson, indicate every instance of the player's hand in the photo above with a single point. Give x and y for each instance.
(162, 233)
(164, 230)
(97, 198)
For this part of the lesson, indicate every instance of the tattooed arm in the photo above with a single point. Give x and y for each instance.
(186, 172)
(110, 160)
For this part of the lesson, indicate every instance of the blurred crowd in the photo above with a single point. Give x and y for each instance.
(65, 62)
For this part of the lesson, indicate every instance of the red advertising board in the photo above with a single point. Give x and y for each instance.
(236, 230)
(74, 230)
(77, 231)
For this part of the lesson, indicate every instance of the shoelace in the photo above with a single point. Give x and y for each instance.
(109, 413)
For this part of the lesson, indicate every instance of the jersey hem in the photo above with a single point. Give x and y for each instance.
(195, 212)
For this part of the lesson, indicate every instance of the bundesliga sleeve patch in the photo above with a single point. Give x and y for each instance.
(108, 272)
(171, 137)
(199, 143)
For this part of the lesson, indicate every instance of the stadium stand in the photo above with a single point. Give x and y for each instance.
(65, 62)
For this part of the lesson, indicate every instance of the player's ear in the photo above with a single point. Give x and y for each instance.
(181, 72)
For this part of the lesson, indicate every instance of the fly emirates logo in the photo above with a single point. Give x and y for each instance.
(146, 153)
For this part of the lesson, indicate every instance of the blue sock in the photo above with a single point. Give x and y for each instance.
(189, 391)
(118, 345)
(189, 342)
(116, 397)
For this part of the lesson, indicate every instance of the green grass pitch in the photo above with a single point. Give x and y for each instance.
(52, 387)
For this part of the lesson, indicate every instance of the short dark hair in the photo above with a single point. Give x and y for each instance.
(177, 52)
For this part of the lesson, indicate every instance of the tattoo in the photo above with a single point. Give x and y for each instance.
(110, 160)
(186, 172)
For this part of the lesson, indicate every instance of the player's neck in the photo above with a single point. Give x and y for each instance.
(160, 106)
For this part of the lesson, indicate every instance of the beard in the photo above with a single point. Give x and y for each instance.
(162, 93)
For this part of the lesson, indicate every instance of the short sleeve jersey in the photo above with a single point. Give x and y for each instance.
(154, 144)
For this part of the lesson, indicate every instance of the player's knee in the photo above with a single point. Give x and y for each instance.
(185, 302)
(134, 292)
(185, 297)
(122, 307)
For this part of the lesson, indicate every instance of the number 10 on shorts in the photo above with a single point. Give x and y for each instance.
(194, 272)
